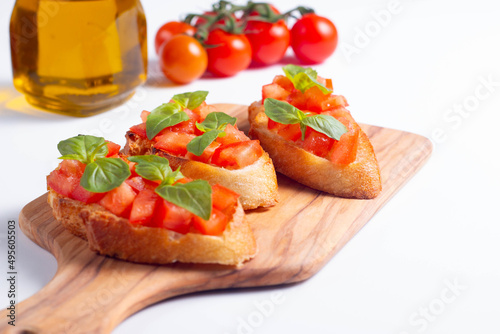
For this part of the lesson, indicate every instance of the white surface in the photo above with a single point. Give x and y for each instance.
(441, 230)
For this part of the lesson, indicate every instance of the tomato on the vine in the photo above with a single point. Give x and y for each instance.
(169, 30)
(227, 53)
(314, 38)
(183, 59)
(269, 41)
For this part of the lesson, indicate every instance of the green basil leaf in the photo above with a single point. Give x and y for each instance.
(168, 114)
(83, 148)
(282, 112)
(216, 121)
(104, 174)
(151, 167)
(191, 100)
(304, 78)
(325, 124)
(199, 144)
(195, 196)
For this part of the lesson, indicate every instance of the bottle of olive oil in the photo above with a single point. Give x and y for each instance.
(78, 57)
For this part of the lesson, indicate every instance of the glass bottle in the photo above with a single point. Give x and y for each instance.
(78, 57)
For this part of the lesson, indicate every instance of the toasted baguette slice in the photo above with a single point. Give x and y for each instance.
(360, 179)
(256, 184)
(108, 234)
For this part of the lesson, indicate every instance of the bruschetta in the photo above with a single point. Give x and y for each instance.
(141, 210)
(311, 136)
(206, 144)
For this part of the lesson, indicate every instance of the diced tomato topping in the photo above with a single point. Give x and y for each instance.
(113, 149)
(119, 200)
(344, 151)
(223, 198)
(237, 155)
(272, 124)
(317, 143)
(192, 115)
(274, 91)
(325, 82)
(136, 182)
(314, 99)
(233, 135)
(83, 195)
(66, 177)
(144, 207)
(172, 217)
(334, 101)
(214, 226)
(206, 155)
(186, 127)
(297, 99)
(173, 142)
(140, 130)
(144, 115)
(290, 131)
(203, 110)
(284, 82)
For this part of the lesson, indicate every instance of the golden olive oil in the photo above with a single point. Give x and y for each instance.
(78, 57)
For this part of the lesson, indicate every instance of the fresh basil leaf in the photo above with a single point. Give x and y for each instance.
(282, 112)
(304, 78)
(199, 144)
(151, 167)
(325, 124)
(195, 196)
(191, 100)
(104, 174)
(168, 114)
(83, 148)
(216, 121)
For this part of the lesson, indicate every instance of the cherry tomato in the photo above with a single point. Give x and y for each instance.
(269, 41)
(169, 30)
(183, 59)
(314, 38)
(228, 54)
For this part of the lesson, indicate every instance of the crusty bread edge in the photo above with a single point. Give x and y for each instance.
(360, 179)
(108, 234)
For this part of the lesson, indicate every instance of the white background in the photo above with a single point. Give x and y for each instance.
(428, 262)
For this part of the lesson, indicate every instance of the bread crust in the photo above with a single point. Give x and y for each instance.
(360, 179)
(108, 234)
(256, 184)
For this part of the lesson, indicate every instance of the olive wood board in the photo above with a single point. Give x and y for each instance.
(93, 294)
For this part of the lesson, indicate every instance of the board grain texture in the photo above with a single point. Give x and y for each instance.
(93, 294)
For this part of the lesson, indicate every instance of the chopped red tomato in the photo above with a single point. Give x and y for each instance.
(206, 155)
(83, 195)
(140, 130)
(173, 142)
(66, 177)
(233, 135)
(119, 200)
(237, 155)
(172, 217)
(136, 182)
(290, 131)
(223, 198)
(284, 82)
(344, 151)
(144, 115)
(214, 226)
(297, 99)
(188, 126)
(274, 91)
(334, 101)
(143, 207)
(113, 149)
(203, 110)
(317, 143)
(325, 82)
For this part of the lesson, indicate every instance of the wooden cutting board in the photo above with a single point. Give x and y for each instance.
(296, 238)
